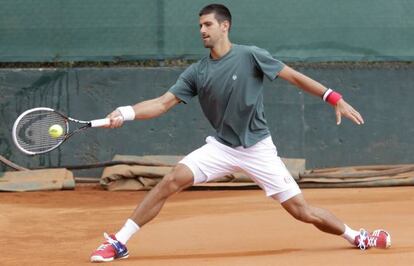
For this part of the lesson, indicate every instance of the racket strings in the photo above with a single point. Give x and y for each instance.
(32, 132)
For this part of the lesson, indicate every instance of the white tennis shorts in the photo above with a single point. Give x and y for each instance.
(260, 162)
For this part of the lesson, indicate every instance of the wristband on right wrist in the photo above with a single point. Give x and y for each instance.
(127, 112)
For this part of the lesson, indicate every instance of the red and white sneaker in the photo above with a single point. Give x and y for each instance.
(109, 250)
(377, 239)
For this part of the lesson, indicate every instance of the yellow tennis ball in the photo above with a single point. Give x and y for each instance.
(55, 131)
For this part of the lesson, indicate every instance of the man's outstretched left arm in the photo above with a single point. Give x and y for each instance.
(342, 108)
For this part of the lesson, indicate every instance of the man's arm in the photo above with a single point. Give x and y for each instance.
(144, 110)
(342, 108)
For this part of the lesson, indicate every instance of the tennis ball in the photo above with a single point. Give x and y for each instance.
(55, 131)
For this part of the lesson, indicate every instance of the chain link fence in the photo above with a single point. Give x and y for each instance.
(126, 30)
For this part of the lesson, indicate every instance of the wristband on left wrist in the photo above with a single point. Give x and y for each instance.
(331, 96)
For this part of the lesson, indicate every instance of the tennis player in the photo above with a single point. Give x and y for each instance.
(229, 86)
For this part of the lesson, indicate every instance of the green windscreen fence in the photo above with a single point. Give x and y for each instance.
(293, 30)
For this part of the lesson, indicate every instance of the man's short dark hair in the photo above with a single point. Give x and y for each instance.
(221, 12)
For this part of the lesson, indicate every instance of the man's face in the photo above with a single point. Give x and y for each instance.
(211, 30)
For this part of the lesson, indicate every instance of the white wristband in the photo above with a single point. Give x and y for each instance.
(326, 94)
(127, 112)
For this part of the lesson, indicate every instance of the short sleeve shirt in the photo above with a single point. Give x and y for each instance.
(230, 92)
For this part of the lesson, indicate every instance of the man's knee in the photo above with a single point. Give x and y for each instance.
(179, 178)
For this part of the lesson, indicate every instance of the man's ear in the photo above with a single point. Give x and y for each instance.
(225, 25)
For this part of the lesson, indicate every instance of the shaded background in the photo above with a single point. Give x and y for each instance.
(140, 29)
(363, 49)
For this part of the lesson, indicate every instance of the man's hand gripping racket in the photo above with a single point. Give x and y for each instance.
(40, 130)
(119, 115)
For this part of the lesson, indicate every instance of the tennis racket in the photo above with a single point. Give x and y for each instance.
(31, 130)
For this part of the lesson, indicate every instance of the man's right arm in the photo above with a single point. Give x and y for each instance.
(144, 110)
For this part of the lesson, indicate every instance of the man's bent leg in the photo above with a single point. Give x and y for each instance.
(180, 178)
(114, 247)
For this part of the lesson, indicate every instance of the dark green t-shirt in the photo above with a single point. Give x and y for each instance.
(230, 91)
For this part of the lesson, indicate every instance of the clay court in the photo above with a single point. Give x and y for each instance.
(238, 227)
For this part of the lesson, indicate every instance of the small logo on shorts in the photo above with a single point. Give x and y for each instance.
(234, 77)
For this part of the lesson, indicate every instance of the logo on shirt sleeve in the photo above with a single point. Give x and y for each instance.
(234, 77)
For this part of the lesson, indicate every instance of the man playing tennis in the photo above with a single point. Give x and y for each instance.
(229, 86)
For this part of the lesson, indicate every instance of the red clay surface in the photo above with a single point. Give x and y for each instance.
(202, 228)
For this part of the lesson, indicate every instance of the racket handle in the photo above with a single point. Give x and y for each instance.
(100, 122)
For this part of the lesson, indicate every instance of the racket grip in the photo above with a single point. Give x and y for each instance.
(100, 122)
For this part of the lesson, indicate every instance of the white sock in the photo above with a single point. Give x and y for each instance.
(350, 234)
(128, 230)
